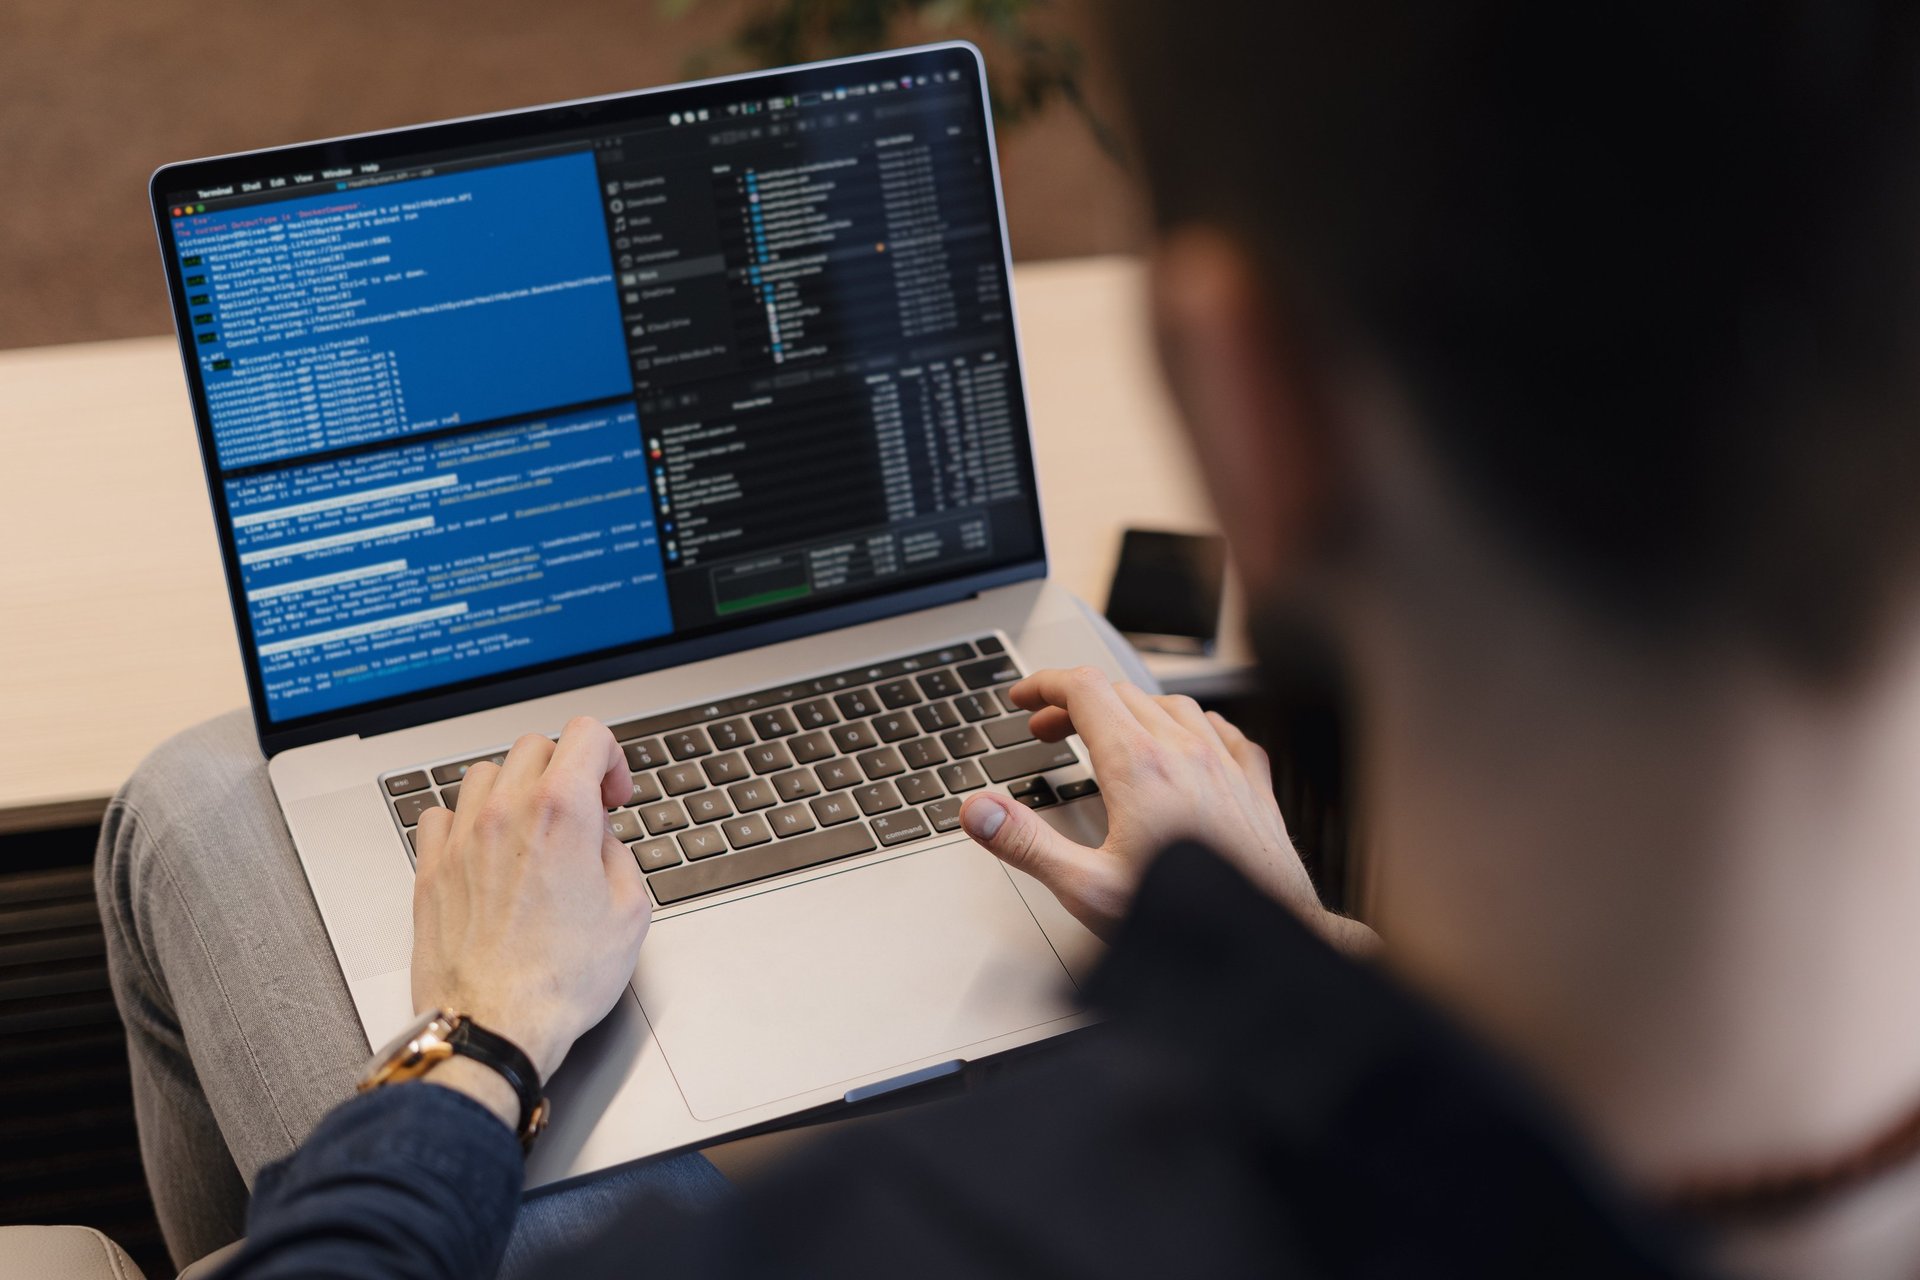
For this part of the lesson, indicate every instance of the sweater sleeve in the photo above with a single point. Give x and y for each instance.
(411, 1181)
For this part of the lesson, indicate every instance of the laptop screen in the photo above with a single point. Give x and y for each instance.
(501, 395)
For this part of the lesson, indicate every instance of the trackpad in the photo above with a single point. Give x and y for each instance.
(819, 983)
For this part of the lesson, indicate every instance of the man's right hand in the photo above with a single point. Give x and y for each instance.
(1169, 771)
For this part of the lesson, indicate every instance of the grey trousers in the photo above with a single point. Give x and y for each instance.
(240, 1032)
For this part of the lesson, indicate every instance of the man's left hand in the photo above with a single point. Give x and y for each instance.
(527, 913)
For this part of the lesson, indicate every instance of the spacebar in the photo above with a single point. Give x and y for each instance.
(678, 883)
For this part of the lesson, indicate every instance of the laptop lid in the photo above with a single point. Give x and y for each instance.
(501, 406)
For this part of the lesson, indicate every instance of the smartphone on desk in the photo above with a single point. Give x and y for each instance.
(1166, 590)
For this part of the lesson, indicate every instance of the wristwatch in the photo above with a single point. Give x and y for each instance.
(439, 1034)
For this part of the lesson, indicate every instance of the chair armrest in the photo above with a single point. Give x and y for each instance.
(62, 1253)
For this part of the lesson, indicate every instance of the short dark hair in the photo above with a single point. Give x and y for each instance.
(1650, 272)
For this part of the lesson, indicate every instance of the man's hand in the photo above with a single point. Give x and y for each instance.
(1168, 771)
(527, 913)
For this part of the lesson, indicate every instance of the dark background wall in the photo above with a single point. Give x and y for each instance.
(95, 94)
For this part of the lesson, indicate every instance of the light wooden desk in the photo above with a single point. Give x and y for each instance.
(115, 630)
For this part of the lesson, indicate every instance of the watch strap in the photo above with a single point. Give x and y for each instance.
(471, 1040)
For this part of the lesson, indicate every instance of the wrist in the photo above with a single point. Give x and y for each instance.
(461, 1053)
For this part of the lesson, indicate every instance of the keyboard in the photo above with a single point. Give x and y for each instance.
(808, 773)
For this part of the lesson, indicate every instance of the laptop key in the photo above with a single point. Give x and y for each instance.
(796, 784)
(402, 783)
(678, 779)
(857, 736)
(962, 775)
(988, 671)
(974, 707)
(411, 807)
(1008, 732)
(943, 815)
(655, 855)
(918, 788)
(938, 684)
(646, 790)
(748, 831)
(878, 798)
(961, 743)
(989, 644)
(625, 826)
(1005, 694)
(777, 723)
(731, 767)
(817, 713)
(664, 817)
(676, 884)
(769, 757)
(835, 774)
(1074, 790)
(708, 806)
(793, 820)
(450, 796)
(922, 753)
(1035, 793)
(935, 716)
(897, 828)
(446, 773)
(895, 726)
(702, 842)
(833, 810)
(647, 753)
(688, 743)
(1031, 757)
(881, 763)
(730, 733)
(757, 794)
(809, 747)
(898, 693)
(856, 704)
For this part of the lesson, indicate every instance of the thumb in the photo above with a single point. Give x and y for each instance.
(1018, 837)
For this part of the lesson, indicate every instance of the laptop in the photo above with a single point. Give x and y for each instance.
(697, 410)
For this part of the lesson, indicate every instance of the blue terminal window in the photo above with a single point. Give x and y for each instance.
(334, 320)
(412, 566)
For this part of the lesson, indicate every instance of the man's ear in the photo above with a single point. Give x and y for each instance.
(1251, 401)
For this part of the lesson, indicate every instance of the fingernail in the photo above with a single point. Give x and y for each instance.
(983, 820)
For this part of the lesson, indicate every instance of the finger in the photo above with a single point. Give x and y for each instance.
(1093, 708)
(1050, 724)
(527, 759)
(587, 754)
(1186, 713)
(430, 837)
(1146, 709)
(1012, 833)
(475, 787)
(626, 886)
(1248, 754)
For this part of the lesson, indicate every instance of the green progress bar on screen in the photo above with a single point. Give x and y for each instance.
(776, 596)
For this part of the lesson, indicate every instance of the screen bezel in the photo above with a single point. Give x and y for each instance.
(504, 128)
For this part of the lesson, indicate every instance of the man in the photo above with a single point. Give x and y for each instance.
(1554, 368)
